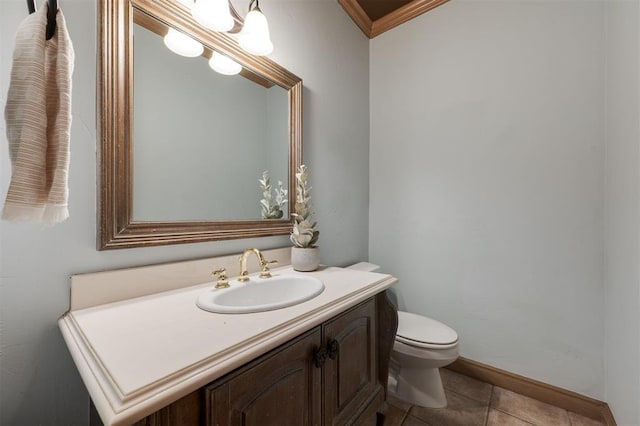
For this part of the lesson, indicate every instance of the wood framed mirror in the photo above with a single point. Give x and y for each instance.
(126, 218)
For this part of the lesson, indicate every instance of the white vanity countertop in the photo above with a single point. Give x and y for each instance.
(139, 355)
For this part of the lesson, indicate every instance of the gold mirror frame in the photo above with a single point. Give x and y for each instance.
(117, 229)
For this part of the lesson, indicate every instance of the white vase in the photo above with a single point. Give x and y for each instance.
(305, 259)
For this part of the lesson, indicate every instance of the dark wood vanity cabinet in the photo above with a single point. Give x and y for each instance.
(326, 376)
(333, 374)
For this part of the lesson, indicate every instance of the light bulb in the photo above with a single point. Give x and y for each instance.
(213, 14)
(223, 64)
(254, 37)
(182, 44)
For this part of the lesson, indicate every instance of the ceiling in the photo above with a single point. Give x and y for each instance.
(377, 16)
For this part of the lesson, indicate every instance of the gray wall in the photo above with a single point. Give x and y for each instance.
(622, 212)
(315, 40)
(487, 180)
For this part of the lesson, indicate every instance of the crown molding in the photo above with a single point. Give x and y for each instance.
(391, 20)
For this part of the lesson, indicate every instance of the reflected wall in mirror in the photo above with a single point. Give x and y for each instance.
(183, 147)
(201, 139)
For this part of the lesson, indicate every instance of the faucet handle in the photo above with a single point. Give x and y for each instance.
(266, 273)
(222, 279)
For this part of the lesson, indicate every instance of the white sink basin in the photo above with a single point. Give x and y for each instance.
(260, 294)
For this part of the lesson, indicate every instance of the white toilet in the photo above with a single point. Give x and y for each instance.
(421, 347)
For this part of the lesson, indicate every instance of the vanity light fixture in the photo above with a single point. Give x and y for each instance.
(216, 15)
(224, 64)
(254, 36)
(182, 44)
(213, 14)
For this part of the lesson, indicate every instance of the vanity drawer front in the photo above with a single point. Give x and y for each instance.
(281, 388)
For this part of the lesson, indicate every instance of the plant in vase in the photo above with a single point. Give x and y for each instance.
(305, 256)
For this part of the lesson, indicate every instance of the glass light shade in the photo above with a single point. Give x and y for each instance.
(182, 44)
(213, 14)
(223, 64)
(254, 37)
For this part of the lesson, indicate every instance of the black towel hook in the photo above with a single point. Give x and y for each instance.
(51, 18)
(51, 15)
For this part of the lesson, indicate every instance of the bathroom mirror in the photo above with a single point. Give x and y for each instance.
(182, 147)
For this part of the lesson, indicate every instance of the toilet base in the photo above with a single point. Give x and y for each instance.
(421, 387)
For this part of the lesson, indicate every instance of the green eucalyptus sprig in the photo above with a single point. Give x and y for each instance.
(305, 233)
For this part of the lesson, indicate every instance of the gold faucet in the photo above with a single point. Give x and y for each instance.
(264, 264)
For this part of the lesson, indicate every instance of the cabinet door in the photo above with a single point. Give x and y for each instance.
(350, 371)
(281, 388)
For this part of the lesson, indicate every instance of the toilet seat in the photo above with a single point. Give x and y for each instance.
(423, 332)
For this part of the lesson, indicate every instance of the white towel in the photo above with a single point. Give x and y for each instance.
(38, 115)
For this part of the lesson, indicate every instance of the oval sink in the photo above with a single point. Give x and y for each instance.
(260, 294)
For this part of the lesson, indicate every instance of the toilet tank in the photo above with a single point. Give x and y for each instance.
(365, 266)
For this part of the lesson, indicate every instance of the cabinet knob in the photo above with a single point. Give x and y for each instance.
(320, 357)
(333, 347)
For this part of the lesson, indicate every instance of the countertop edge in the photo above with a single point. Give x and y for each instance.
(116, 409)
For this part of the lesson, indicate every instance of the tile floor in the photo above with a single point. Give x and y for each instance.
(475, 403)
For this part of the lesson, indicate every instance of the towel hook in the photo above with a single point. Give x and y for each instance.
(51, 18)
(51, 15)
(31, 5)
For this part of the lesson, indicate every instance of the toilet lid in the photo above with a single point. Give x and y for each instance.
(417, 329)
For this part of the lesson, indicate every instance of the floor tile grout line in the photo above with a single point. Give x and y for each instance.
(514, 416)
(404, 417)
(464, 396)
(447, 388)
(486, 416)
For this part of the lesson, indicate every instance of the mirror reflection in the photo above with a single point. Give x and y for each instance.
(202, 140)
